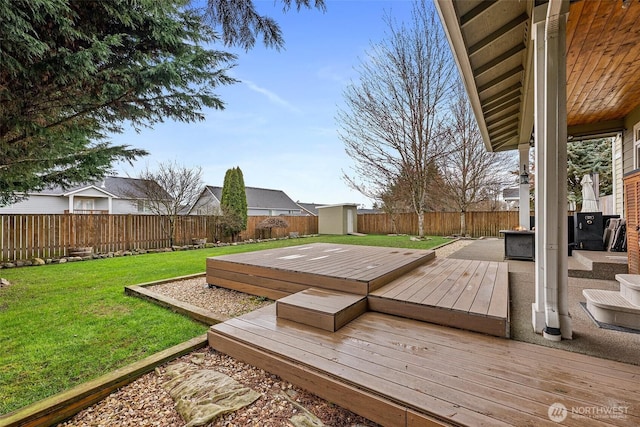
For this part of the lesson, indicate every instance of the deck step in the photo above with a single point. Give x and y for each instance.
(610, 307)
(321, 308)
(630, 287)
(465, 294)
(601, 265)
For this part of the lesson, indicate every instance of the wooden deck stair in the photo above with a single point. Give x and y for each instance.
(617, 308)
(321, 308)
(326, 286)
(465, 294)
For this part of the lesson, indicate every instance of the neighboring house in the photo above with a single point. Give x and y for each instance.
(309, 209)
(260, 202)
(365, 211)
(112, 195)
(511, 196)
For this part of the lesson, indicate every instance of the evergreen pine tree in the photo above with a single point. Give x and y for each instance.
(586, 157)
(242, 198)
(234, 203)
(74, 72)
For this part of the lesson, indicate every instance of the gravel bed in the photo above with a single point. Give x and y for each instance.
(145, 402)
(223, 301)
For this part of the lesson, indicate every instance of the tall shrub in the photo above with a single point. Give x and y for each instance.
(234, 203)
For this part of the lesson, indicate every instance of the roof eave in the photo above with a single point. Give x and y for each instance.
(450, 22)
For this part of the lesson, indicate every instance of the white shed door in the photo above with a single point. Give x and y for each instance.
(349, 221)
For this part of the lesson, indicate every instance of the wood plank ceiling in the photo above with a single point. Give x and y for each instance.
(603, 63)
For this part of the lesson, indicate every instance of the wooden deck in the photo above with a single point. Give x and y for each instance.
(276, 273)
(471, 295)
(402, 372)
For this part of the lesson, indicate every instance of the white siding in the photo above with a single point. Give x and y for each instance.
(627, 140)
(206, 205)
(38, 205)
(618, 190)
(258, 212)
(271, 212)
(124, 206)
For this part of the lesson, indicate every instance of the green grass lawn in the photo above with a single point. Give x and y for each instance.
(64, 324)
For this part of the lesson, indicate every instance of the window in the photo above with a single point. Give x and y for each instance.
(83, 204)
(143, 206)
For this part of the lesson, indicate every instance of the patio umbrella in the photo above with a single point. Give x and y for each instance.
(589, 203)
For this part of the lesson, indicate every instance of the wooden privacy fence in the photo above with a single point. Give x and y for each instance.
(49, 236)
(478, 224)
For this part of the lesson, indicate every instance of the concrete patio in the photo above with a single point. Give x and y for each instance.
(588, 337)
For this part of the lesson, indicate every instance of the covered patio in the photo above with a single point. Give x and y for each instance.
(540, 73)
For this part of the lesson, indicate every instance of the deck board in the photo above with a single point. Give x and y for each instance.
(467, 294)
(345, 268)
(439, 372)
(454, 292)
(404, 282)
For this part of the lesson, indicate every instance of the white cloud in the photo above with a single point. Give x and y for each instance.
(273, 97)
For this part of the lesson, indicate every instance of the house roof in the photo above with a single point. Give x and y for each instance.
(493, 48)
(125, 188)
(511, 194)
(311, 208)
(261, 198)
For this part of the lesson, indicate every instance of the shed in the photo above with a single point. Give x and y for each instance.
(338, 219)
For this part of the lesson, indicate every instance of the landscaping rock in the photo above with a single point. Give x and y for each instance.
(201, 395)
(304, 418)
(4, 282)
(38, 261)
(62, 260)
(9, 265)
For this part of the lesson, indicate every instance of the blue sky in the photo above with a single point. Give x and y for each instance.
(279, 123)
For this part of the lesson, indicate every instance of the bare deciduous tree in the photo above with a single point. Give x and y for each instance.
(167, 191)
(391, 125)
(469, 171)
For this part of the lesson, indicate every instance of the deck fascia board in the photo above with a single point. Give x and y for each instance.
(502, 371)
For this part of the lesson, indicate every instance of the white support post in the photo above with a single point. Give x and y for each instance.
(559, 73)
(71, 203)
(525, 211)
(537, 309)
(551, 174)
